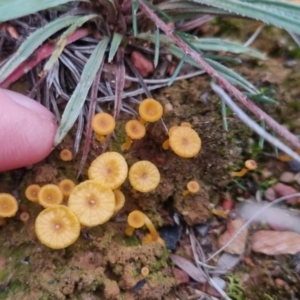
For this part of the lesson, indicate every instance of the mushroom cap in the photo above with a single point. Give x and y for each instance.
(31, 192)
(24, 216)
(66, 186)
(145, 271)
(50, 195)
(120, 200)
(57, 227)
(186, 124)
(110, 169)
(103, 123)
(135, 129)
(185, 141)
(150, 110)
(66, 155)
(136, 219)
(92, 202)
(144, 176)
(250, 164)
(8, 205)
(193, 186)
(171, 129)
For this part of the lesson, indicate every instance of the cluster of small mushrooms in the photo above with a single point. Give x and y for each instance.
(69, 207)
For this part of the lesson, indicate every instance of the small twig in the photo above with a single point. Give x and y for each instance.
(120, 81)
(222, 81)
(254, 35)
(251, 124)
(252, 219)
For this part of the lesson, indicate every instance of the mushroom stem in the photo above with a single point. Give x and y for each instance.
(186, 192)
(151, 228)
(129, 230)
(166, 144)
(127, 144)
(100, 138)
(240, 173)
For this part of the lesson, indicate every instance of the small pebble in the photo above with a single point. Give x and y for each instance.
(294, 165)
(287, 177)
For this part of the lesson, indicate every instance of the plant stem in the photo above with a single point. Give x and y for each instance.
(221, 81)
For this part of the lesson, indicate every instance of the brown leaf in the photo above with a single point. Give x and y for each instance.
(195, 273)
(237, 246)
(276, 242)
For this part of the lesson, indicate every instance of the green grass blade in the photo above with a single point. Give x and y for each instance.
(157, 45)
(282, 14)
(134, 7)
(32, 42)
(12, 9)
(78, 98)
(216, 44)
(178, 68)
(224, 114)
(60, 45)
(115, 43)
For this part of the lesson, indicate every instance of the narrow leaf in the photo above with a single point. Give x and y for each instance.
(13, 9)
(78, 98)
(177, 70)
(134, 6)
(115, 43)
(61, 43)
(32, 42)
(157, 43)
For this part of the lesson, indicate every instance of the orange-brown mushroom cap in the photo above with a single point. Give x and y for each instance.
(66, 155)
(136, 219)
(31, 192)
(185, 141)
(66, 186)
(150, 110)
(103, 123)
(50, 195)
(57, 227)
(92, 202)
(8, 205)
(193, 186)
(144, 176)
(135, 130)
(251, 164)
(110, 169)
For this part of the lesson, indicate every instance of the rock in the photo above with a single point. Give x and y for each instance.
(181, 276)
(275, 242)
(142, 63)
(237, 246)
(294, 165)
(286, 177)
(270, 194)
(281, 190)
(297, 178)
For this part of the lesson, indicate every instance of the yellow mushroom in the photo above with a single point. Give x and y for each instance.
(144, 176)
(185, 141)
(8, 205)
(120, 200)
(166, 143)
(92, 202)
(31, 192)
(66, 155)
(50, 195)
(110, 169)
(135, 131)
(148, 239)
(66, 186)
(145, 271)
(57, 227)
(103, 124)
(250, 165)
(150, 110)
(192, 188)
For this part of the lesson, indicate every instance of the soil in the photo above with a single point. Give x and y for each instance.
(104, 263)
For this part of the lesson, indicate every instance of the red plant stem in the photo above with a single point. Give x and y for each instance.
(287, 135)
(39, 54)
